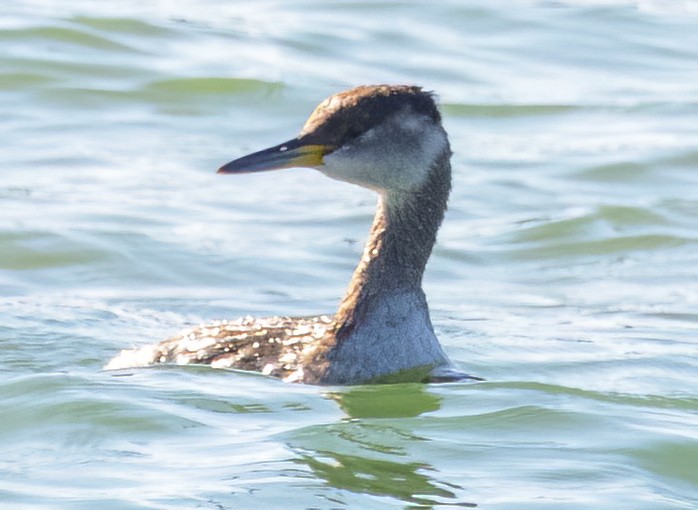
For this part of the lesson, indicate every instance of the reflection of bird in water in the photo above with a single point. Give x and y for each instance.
(388, 139)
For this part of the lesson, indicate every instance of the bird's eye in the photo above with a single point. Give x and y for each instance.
(353, 132)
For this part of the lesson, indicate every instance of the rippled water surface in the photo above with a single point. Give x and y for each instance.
(566, 273)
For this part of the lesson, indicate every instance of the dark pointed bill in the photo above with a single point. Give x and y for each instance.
(293, 153)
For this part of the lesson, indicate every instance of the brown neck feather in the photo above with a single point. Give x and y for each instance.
(400, 242)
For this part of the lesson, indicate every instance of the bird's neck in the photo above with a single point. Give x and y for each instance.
(385, 291)
(400, 242)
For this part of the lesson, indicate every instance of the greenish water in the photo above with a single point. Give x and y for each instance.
(566, 273)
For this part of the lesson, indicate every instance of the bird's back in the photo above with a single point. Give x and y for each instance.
(272, 346)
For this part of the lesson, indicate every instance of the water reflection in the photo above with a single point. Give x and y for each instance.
(375, 450)
(410, 482)
(387, 401)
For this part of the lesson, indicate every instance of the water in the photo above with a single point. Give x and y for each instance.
(566, 273)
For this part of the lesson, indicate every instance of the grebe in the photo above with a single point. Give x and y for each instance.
(388, 139)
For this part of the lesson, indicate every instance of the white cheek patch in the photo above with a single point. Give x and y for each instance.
(395, 155)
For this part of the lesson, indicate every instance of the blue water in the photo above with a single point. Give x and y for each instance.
(566, 272)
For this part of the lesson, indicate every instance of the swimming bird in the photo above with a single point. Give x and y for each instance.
(387, 138)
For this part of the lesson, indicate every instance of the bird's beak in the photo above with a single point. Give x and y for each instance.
(294, 153)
